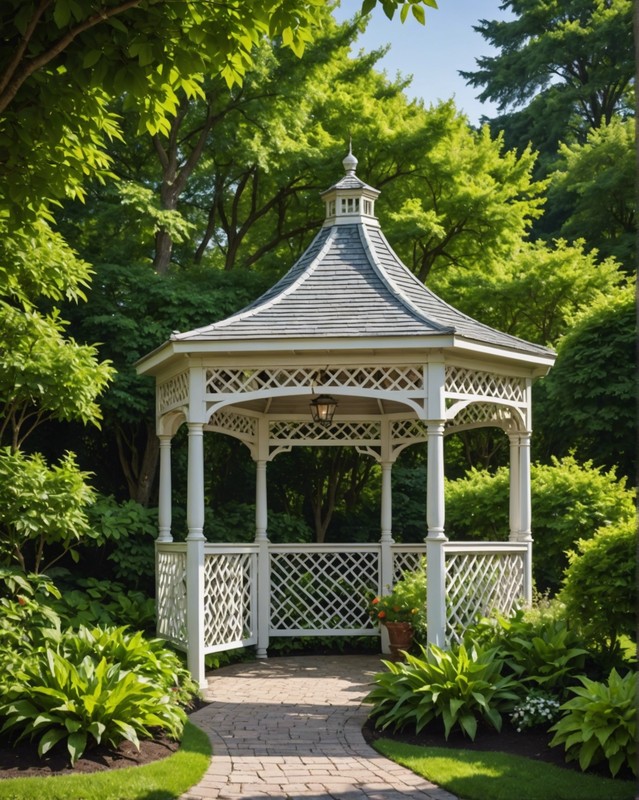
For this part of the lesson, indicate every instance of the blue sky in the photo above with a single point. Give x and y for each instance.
(433, 53)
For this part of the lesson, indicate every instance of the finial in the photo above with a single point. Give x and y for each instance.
(350, 162)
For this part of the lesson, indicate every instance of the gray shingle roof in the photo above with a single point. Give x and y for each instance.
(349, 283)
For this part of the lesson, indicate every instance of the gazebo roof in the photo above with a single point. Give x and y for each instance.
(347, 289)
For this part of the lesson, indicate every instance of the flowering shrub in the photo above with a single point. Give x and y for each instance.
(539, 708)
(406, 602)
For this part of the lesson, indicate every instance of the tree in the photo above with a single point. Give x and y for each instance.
(595, 180)
(563, 67)
(587, 402)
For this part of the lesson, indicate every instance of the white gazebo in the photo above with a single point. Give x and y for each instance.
(350, 328)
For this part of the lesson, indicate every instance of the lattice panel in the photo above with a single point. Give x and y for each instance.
(408, 430)
(470, 382)
(319, 590)
(407, 562)
(478, 584)
(171, 597)
(483, 412)
(240, 381)
(283, 430)
(227, 598)
(236, 424)
(173, 393)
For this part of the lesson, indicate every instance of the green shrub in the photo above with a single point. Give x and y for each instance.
(599, 588)
(601, 723)
(405, 602)
(569, 502)
(458, 686)
(53, 700)
(540, 649)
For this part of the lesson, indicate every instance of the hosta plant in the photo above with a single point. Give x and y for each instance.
(461, 686)
(53, 700)
(600, 724)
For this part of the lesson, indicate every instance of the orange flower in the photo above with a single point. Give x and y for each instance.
(375, 601)
(381, 615)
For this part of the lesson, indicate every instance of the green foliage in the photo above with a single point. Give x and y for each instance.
(564, 66)
(569, 502)
(586, 403)
(130, 530)
(459, 686)
(596, 179)
(600, 586)
(541, 650)
(600, 723)
(89, 601)
(53, 700)
(41, 508)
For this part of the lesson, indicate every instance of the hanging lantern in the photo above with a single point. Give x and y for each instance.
(322, 409)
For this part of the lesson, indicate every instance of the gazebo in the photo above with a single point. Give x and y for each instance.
(348, 348)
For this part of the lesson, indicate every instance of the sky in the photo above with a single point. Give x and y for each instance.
(433, 53)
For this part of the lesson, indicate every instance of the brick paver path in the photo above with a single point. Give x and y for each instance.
(291, 728)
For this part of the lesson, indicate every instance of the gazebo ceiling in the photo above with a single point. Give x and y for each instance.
(348, 294)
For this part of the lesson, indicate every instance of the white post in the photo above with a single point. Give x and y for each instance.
(164, 498)
(264, 572)
(386, 540)
(525, 533)
(435, 558)
(515, 513)
(195, 554)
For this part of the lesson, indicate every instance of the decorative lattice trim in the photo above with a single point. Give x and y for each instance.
(322, 590)
(239, 425)
(462, 382)
(478, 584)
(171, 597)
(173, 393)
(484, 413)
(228, 599)
(346, 432)
(383, 379)
(406, 561)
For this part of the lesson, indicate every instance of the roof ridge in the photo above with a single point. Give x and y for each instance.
(396, 291)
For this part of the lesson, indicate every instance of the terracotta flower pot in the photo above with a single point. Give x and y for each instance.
(400, 637)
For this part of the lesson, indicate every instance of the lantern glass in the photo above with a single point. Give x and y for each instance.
(323, 409)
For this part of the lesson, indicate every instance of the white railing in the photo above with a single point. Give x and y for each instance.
(320, 590)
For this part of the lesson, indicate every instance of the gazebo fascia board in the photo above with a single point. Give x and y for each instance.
(252, 376)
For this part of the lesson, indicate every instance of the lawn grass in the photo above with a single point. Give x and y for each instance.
(166, 779)
(474, 775)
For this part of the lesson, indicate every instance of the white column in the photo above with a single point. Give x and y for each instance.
(164, 498)
(386, 540)
(514, 490)
(263, 561)
(525, 533)
(195, 553)
(435, 558)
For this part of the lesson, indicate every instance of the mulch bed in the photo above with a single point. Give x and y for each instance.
(23, 761)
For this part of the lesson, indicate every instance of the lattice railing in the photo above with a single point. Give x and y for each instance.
(322, 591)
(462, 382)
(171, 596)
(407, 558)
(481, 579)
(173, 393)
(377, 378)
(229, 600)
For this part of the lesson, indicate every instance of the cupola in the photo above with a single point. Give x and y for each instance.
(350, 200)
